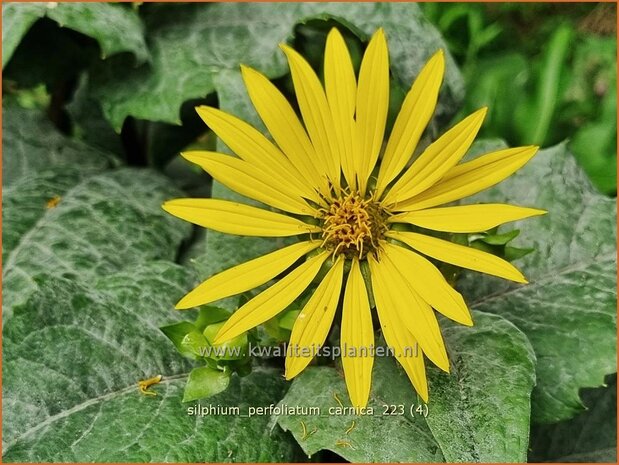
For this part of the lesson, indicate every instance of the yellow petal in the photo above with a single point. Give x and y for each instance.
(236, 218)
(341, 89)
(399, 338)
(429, 283)
(472, 177)
(249, 181)
(372, 104)
(315, 111)
(270, 302)
(357, 338)
(282, 122)
(459, 255)
(395, 294)
(437, 159)
(246, 276)
(466, 218)
(313, 323)
(340, 82)
(250, 145)
(411, 121)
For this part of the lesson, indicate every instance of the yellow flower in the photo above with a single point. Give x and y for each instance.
(322, 176)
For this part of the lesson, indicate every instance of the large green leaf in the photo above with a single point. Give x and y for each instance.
(70, 343)
(116, 28)
(568, 312)
(31, 145)
(591, 436)
(103, 224)
(72, 357)
(38, 165)
(192, 44)
(97, 224)
(478, 413)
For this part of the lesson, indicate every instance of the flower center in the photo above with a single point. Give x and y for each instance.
(353, 225)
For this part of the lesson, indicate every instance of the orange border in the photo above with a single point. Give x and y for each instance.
(277, 1)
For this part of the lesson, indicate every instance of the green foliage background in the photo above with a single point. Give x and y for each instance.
(97, 102)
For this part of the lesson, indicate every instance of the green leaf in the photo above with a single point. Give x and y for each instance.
(88, 122)
(375, 438)
(568, 311)
(193, 44)
(32, 146)
(194, 343)
(39, 164)
(500, 239)
(288, 319)
(478, 413)
(37, 60)
(72, 357)
(514, 253)
(69, 344)
(209, 315)
(178, 332)
(589, 437)
(115, 27)
(103, 224)
(232, 349)
(16, 20)
(205, 382)
(533, 119)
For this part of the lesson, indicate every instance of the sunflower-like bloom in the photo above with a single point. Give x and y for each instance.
(350, 210)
